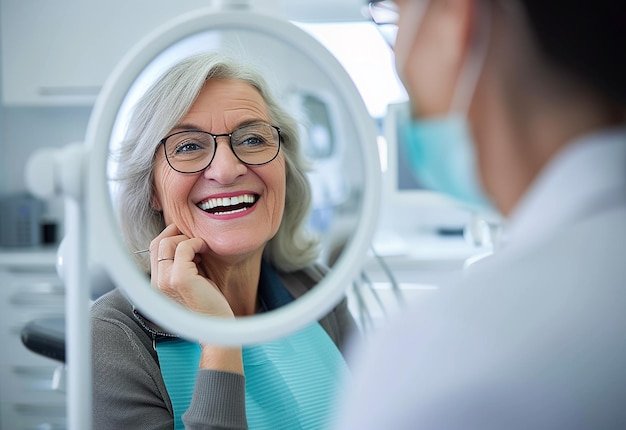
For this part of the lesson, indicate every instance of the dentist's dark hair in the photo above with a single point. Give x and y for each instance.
(586, 38)
(158, 111)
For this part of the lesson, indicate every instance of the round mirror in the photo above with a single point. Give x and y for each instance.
(337, 132)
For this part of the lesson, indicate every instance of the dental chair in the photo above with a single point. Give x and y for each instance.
(46, 336)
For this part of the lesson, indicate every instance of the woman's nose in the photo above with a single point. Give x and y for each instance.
(225, 167)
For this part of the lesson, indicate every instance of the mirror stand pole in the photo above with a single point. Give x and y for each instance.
(62, 172)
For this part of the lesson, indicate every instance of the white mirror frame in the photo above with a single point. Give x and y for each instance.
(104, 230)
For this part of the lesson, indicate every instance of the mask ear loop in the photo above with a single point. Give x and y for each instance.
(473, 66)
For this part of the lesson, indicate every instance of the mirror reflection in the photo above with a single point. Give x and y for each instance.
(327, 135)
(230, 176)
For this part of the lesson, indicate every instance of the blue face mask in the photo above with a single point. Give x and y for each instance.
(441, 153)
(441, 149)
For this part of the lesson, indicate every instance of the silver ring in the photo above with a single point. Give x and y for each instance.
(163, 259)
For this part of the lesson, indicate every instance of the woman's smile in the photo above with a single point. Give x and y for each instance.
(229, 205)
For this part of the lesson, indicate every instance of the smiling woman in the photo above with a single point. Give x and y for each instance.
(223, 105)
(223, 209)
(345, 176)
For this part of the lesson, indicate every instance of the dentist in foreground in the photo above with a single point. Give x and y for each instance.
(533, 94)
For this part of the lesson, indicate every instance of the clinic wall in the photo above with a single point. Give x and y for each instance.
(26, 129)
(23, 130)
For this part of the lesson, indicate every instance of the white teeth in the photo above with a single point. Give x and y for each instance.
(226, 201)
(231, 212)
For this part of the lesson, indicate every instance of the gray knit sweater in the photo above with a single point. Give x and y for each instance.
(129, 392)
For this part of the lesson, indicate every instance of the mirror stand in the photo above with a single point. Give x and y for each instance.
(62, 172)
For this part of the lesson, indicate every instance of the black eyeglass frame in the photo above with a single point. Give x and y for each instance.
(384, 13)
(215, 136)
(387, 5)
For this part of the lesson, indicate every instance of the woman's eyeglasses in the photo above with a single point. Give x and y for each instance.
(192, 151)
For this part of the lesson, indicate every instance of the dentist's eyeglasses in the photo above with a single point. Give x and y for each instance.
(385, 14)
(192, 151)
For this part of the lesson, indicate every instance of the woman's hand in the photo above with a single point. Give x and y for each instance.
(173, 258)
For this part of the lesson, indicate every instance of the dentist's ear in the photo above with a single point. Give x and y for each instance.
(436, 58)
(459, 18)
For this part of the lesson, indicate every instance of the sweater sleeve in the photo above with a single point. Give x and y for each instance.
(209, 410)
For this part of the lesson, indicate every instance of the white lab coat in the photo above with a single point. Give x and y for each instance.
(533, 337)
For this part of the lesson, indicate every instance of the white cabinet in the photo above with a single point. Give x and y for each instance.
(29, 289)
(60, 52)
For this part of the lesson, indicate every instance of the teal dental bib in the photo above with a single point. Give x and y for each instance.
(291, 383)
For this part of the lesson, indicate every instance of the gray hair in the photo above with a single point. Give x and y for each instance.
(158, 111)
